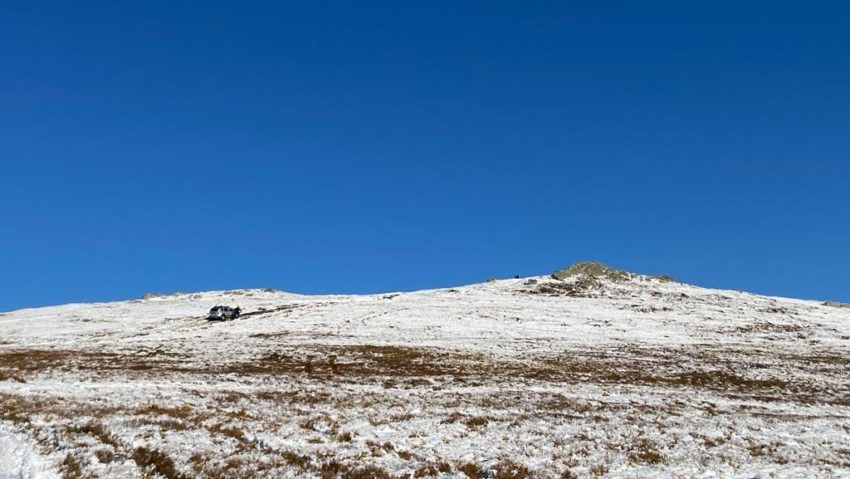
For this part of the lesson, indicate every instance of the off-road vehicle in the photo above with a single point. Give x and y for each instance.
(223, 313)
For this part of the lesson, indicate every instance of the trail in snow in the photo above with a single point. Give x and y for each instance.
(19, 459)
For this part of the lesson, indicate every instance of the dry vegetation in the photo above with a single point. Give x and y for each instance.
(388, 366)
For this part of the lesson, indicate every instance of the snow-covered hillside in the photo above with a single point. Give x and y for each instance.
(627, 377)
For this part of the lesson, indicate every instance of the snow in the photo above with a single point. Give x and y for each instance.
(633, 379)
(18, 458)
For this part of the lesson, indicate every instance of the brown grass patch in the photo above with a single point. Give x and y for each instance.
(452, 418)
(25, 363)
(332, 469)
(432, 469)
(296, 460)
(38, 360)
(471, 469)
(71, 467)
(184, 412)
(11, 376)
(165, 424)
(366, 472)
(96, 430)
(151, 460)
(507, 469)
(319, 423)
(359, 362)
(295, 396)
(277, 335)
(580, 288)
(378, 449)
(599, 470)
(104, 456)
(645, 452)
(767, 327)
(176, 418)
(477, 421)
(228, 431)
(668, 369)
(21, 409)
(197, 461)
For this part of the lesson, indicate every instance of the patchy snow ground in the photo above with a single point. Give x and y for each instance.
(633, 379)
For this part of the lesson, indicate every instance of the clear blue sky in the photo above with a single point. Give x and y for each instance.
(369, 146)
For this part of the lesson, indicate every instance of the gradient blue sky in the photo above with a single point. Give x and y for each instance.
(370, 146)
